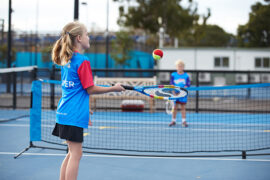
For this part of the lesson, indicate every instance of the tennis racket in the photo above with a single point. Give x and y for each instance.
(165, 92)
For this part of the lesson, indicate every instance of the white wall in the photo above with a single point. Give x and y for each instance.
(245, 59)
(172, 55)
(203, 58)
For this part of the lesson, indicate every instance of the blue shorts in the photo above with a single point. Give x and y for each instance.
(181, 100)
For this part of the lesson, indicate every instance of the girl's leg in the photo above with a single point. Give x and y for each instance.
(64, 167)
(183, 113)
(72, 168)
(174, 113)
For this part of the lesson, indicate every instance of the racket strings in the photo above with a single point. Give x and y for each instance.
(151, 91)
(166, 92)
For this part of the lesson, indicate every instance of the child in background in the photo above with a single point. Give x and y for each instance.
(181, 79)
(77, 84)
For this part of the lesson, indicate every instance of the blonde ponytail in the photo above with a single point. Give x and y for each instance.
(63, 47)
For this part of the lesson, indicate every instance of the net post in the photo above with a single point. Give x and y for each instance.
(244, 155)
(23, 151)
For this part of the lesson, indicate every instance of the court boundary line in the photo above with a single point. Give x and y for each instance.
(167, 128)
(138, 157)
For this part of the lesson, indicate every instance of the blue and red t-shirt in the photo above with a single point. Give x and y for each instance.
(76, 77)
(181, 80)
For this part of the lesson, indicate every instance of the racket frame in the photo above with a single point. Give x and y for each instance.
(141, 89)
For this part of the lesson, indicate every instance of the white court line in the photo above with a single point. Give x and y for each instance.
(193, 123)
(27, 119)
(152, 128)
(138, 157)
(14, 125)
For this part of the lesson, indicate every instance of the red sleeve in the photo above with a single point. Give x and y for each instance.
(85, 74)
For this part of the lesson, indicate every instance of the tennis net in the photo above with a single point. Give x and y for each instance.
(15, 91)
(220, 119)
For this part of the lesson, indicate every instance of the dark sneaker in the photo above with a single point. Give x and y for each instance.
(184, 124)
(173, 123)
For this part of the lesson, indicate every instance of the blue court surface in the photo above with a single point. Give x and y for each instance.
(41, 164)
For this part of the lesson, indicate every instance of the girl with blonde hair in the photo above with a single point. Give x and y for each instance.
(181, 79)
(77, 84)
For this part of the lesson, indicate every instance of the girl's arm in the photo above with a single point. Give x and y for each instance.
(99, 89)
(171, 80)
(187, 82)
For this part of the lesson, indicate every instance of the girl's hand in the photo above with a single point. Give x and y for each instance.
(91, 112)
(89, 122)
(118, 87)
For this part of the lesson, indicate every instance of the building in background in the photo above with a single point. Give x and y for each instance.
(220, 59)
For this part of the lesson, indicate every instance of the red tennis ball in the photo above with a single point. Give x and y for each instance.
(157, 54)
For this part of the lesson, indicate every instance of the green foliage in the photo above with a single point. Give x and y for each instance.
(3, 53)
(256, 33)
(177, 21)
(121, 48)
(174, 18)
(212, 35)
(206, 36)
(46, 53)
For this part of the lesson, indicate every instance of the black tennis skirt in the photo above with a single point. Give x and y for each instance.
(70, 133)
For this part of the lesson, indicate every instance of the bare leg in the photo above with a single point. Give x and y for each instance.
(72, 168)
(183, 111)
(64, 167)
(174, 113)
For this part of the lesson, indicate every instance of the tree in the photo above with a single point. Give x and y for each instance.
(256, 33)
(121, 48)
(178, 22)
(211, 35)
(205, 35)
(46, 54)
(3, 54)
(174, 18)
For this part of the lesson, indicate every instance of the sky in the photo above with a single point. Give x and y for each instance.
(49, 16)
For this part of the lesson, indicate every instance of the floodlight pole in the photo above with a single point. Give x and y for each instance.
(86, 14)
(9, 35)
(2, 31)
(9, 45)
(36, 36)
(107, 38)
(76, 10)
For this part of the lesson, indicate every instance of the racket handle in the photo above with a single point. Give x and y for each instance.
(126, 87)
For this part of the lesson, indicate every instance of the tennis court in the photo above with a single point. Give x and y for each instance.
(40, 163)
(232, 124)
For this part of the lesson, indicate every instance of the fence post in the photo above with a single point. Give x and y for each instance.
(197, 93)
(14, 90)
(34, 74)
(248, 90)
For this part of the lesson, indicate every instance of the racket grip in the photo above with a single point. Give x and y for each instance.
(126, 87)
